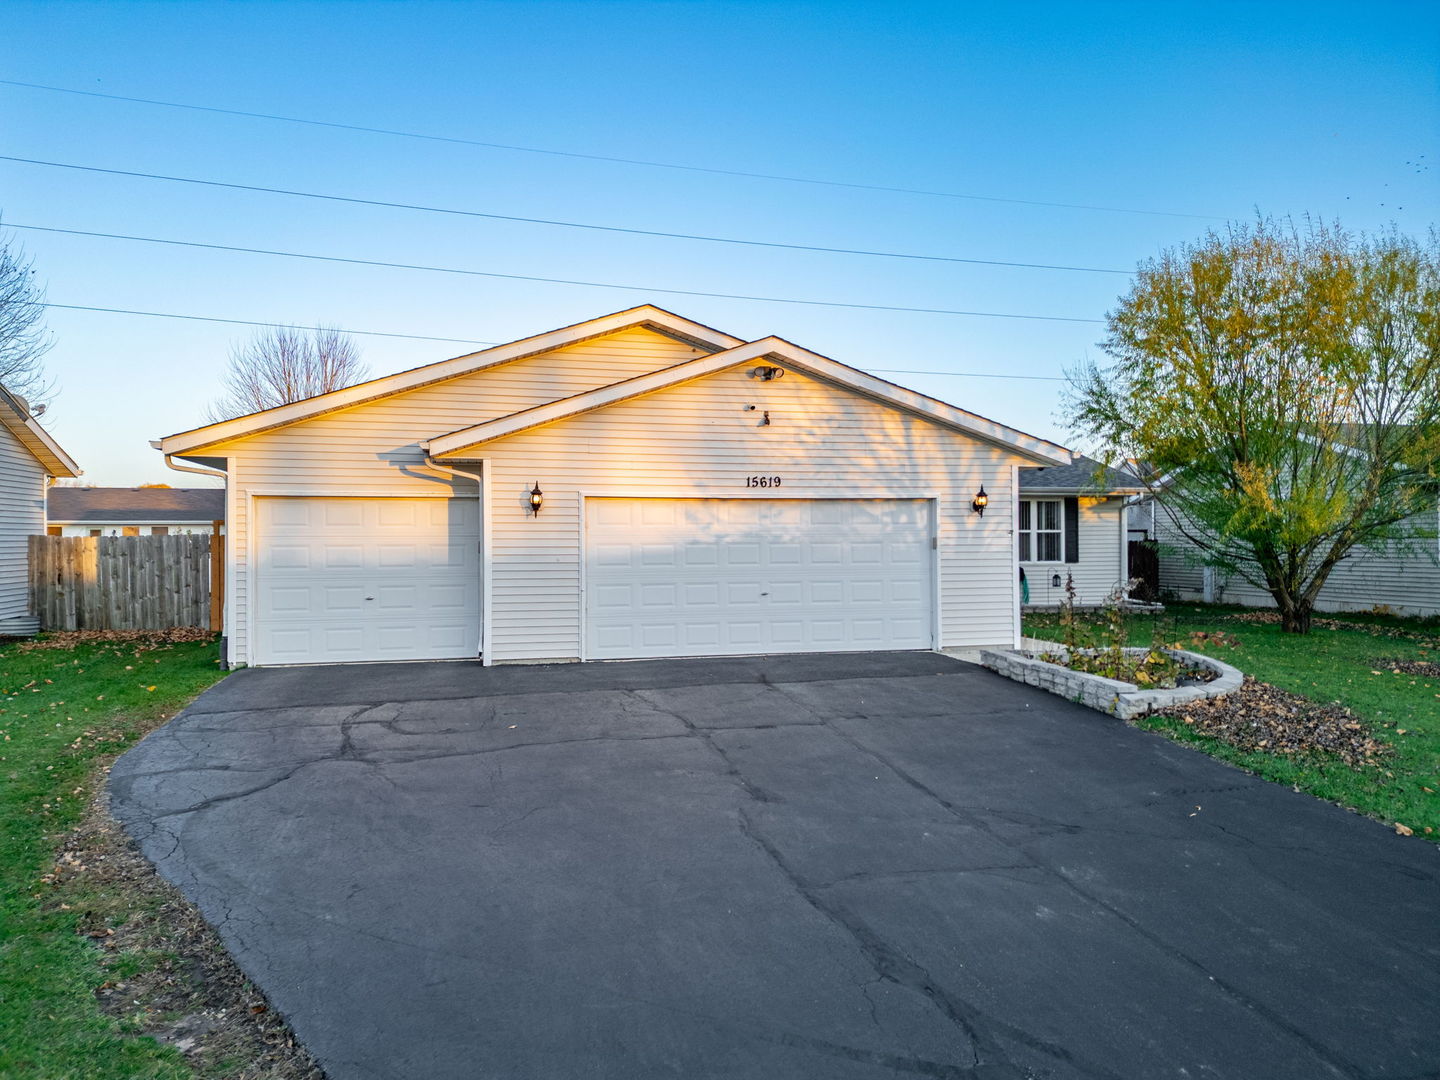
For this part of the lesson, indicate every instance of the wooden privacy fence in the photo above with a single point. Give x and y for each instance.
(1145, 567)
(126, 582)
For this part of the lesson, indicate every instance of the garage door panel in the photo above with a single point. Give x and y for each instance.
(703, 576)
(341, 580)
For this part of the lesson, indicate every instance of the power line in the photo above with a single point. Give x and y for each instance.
(250, 322)
(557, 281)
(605, 157)
(461, 341)
(557, 223)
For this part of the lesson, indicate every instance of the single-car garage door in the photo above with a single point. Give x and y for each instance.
(343, 580)
(705, 577)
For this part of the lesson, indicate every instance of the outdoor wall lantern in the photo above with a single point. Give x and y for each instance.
(1054, 581)
(537, 499)
(980, 501)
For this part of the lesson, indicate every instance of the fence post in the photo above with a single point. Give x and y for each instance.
(217, 578)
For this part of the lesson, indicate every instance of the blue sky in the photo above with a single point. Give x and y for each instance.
(1192, 113)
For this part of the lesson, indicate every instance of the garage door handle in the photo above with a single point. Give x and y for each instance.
(369, 598)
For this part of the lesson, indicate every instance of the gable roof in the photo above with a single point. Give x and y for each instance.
(1083, 476)
(647, 316)
(456, 443)
(139, 505)
(16, 418)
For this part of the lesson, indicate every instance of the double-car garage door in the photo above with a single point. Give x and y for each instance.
(357, 579)
(709, 577)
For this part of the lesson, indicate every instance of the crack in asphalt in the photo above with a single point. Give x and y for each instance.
(1340, 1064)
(891, 964)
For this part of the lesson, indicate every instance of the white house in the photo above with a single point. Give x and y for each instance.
(29, 458)
(142, 511)
(1404, 580)
(638, 485)
(1073, 526)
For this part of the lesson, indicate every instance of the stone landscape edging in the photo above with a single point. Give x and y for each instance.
(1124, 700)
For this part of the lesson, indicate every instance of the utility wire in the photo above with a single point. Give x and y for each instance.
(459, 341)
(557, 223)
(604, 157)
(556, 281)
(249, 322)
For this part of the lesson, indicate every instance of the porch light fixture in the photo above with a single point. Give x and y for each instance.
(980, 501)
(537, 499)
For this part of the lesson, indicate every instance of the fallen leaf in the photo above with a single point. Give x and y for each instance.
(1404, 830)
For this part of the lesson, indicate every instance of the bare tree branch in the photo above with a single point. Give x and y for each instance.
(24, 341)
(286, 364)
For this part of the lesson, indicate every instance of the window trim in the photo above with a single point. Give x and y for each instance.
(1026, 537)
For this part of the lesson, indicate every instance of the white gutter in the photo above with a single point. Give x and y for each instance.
(431, 463)
(170, 464)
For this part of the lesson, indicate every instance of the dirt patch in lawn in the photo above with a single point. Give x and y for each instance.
(1262, 717)
(167, 974)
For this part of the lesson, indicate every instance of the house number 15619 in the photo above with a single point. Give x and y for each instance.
(762, 481)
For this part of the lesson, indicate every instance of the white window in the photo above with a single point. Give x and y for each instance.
(1042, 536)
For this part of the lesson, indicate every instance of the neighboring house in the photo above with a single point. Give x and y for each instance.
(29, 459)
(147, 511)
(1405, 581)
(1073, 526)
(639, 485)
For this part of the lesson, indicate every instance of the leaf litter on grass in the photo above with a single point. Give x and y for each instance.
(1262, 717)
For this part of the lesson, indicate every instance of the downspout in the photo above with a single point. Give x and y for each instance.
(478, 481)
(431, 463)
(219, 575)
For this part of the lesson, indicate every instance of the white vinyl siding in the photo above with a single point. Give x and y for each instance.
(22, 514)
(1097, 570)
(1407, 582)
(375, 447)
(703, 438)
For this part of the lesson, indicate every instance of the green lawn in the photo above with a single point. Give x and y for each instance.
(1325, 665)
(63, 716)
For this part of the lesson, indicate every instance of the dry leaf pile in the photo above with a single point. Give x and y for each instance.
(1259, 716)
(1272, 618)
(1426, 668)
(135, 639)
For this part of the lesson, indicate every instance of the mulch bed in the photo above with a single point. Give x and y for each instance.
(193, 997)
(1259, 716)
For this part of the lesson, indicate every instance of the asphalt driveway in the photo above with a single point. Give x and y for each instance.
(837, 867)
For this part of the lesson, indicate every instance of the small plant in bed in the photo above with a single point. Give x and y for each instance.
(1097, 644)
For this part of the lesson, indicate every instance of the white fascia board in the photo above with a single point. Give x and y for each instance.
(646, 315)
(35, 438)
(1038, 450)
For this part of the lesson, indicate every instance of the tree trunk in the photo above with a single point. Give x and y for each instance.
(1295, 617)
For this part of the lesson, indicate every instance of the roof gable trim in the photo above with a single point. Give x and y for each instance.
(454, 444)
(647, 316)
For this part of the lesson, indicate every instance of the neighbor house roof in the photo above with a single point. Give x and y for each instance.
(141, 506)
(16, 417)
(1082, 476)
(456, 443)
